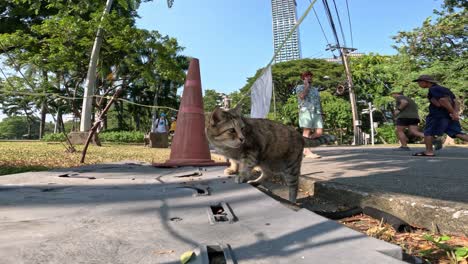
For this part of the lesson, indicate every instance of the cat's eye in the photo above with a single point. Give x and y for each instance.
(232, 130)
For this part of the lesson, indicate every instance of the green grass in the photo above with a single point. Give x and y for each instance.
(4, 170)
(18, 157)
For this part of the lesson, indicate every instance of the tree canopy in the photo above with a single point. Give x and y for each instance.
(46, 45)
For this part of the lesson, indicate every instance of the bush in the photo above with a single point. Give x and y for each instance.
(112, 136)
(387, 133)
(59, 137)
(122, 136)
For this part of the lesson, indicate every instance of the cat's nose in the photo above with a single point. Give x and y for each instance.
(241, 139)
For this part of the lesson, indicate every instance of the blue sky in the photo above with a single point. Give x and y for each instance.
(232, 39)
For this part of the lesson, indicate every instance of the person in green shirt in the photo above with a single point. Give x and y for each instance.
(310, 111)
(406, 114)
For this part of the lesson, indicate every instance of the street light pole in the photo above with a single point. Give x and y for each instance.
(370, 110)
(371, 115)
(90, 82)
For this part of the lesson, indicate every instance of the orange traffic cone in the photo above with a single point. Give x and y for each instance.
(190, 146)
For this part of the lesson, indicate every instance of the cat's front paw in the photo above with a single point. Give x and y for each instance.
(239, 179)
(229, 171)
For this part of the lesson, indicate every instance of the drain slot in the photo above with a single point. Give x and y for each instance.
(197, 191)
(215, 254)
(194, 174)
(221, 213)
(76, 175)
(220, 254)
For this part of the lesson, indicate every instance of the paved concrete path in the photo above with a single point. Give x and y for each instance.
(132, 213)
(430, 192)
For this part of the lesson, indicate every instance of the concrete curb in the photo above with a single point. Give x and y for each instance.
(436, 215)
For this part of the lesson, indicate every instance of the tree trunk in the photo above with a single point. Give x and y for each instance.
(59, 122)
(93, 116)
(43, 119)
(119, 108)
(60, 127)
(137, 121)
(104, 120)
(76, 111)
(29, 126)
(62, 124)
(43, 106)
(155, 100)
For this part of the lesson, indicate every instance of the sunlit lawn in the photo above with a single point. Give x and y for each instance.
(18, 157)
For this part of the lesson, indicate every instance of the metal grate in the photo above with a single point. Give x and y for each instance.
(221, 213)
(216, 254)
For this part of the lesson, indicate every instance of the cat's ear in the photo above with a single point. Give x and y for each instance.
(216, 116)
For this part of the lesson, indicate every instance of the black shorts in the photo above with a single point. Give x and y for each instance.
(436, 126)
(407, 122)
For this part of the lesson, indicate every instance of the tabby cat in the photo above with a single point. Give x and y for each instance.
(275, 148)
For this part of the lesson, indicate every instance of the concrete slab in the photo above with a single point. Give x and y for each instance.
(133, 213)
(425, 192)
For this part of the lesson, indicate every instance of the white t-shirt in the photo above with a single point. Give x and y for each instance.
(159, 125)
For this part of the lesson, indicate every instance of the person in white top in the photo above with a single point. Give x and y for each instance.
(160, 125)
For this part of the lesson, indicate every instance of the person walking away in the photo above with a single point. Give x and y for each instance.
(160, 125)
(310, 111)
(443, 114)
(407, 117)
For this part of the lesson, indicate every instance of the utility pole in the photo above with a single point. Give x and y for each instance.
(90, 82)
(370, 110)
(352, 96)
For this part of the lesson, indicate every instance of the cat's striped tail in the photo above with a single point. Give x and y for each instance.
(324, 139)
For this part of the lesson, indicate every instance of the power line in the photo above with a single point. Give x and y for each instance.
(317, 54)
(330, 20)
(339, 22)
(344, 57)
(56, 96)
(349, 20)
(321, 55)
(321, 27)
